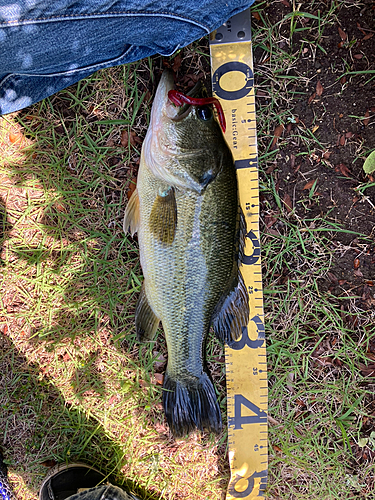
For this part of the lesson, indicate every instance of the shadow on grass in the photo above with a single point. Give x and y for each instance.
(40, 429)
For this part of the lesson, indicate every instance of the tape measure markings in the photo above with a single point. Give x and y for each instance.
(246, 366)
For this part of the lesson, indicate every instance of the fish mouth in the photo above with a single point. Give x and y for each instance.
(170, 104)
(163, 105)
(185, 108)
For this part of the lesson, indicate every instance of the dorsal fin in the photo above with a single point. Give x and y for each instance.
(132, 217)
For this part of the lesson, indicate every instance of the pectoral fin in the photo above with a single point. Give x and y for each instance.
(163, 217)
(232, 312)
(146, 321)
(132, 217)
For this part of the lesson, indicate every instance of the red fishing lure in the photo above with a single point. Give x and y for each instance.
(178, 98)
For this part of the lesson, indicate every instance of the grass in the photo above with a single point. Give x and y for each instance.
(75, 385)
(319, 402)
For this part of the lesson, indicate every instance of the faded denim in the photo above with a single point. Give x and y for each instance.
(47, 45)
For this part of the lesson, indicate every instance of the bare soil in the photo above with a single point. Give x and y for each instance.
(339, 111)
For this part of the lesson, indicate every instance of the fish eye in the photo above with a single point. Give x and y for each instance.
(204, 113)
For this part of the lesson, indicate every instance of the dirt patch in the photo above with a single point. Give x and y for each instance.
(327, 132)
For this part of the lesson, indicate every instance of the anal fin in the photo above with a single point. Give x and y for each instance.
(232, 312)
(146, 321)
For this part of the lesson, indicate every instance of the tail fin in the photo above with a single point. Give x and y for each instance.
(189, 404)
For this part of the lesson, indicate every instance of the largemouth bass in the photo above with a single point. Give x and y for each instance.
(190, 232)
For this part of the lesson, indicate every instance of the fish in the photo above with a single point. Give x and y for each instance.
(191, 234)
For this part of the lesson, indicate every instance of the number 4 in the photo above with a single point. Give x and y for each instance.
(239, 420)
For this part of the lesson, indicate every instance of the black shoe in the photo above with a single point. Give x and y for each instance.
(5, 490)
(65, 480)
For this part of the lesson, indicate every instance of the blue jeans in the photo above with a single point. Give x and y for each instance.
(47, 45)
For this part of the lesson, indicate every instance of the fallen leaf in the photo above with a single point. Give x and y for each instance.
(343, 80)
(311, 98)
(341, 167)
(271, 169)
(367, 371)
(159, 362)
(358, 56)
(332, 277)
(342, 34)
(292, 161)
(131, 188)
(358, 273)
(60, 208)
(286, 3)
(362, 442)
(288, 202)
(277, 134)
(134, 139)
(319, 88)
(124, 138)
(360, 29)
(270, 220)
(370, 35)
(369, 165)
(256, 15)
(159, 377)
(367, 119)
(342, 140)
(356, 263)
(309, 185)
(49, 463)
(177, 63)
(66, 357)
(15, 137)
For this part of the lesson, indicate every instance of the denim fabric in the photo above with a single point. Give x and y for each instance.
(104, 492)
(47, 45)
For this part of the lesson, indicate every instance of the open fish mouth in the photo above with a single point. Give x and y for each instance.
(176, 105)
(180, 99)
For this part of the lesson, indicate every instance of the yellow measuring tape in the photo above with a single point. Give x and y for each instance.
(246, 365)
